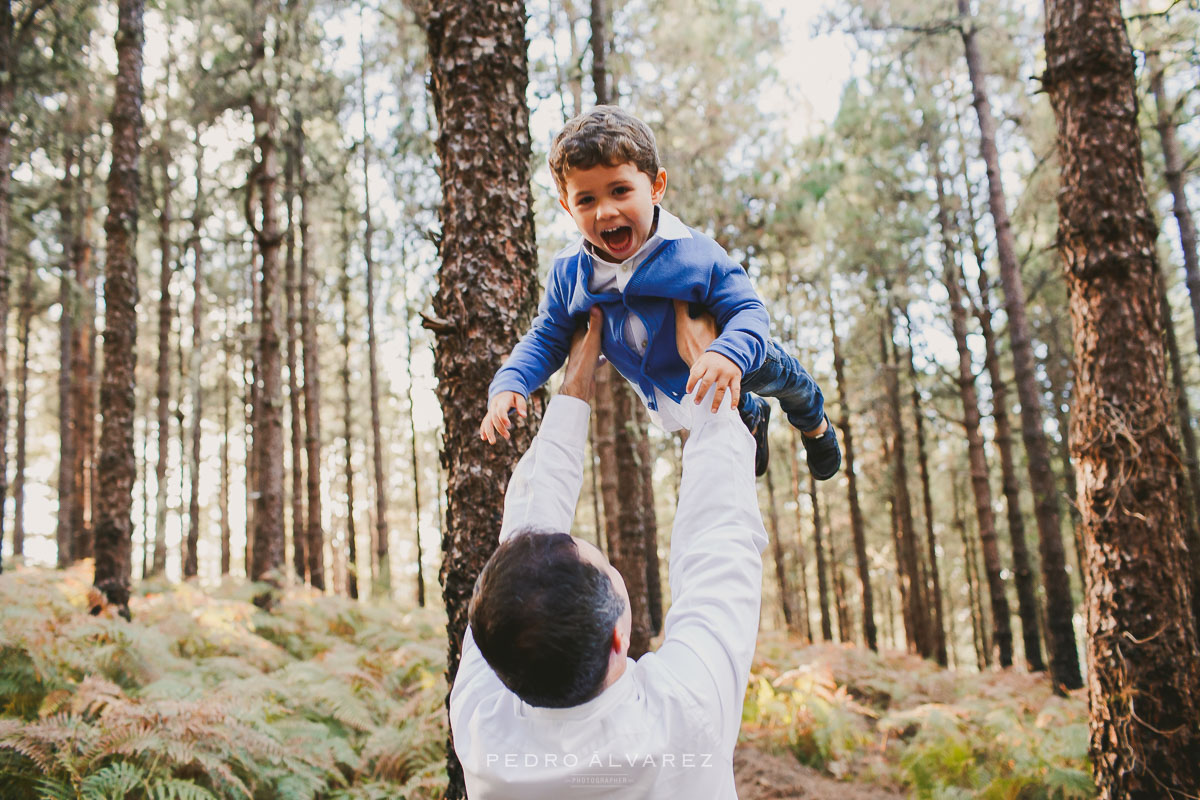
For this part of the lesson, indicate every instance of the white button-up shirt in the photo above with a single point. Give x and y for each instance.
(667, 727)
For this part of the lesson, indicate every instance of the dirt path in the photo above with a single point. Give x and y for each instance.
(763, 776)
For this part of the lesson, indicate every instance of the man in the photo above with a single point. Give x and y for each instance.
(546, 703)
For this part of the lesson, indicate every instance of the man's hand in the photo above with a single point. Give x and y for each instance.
(580, 378)
(497, 421)
(692, 337)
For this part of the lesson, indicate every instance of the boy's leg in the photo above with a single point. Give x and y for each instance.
(783, 377)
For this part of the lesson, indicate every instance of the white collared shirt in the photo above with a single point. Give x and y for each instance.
(667, 727)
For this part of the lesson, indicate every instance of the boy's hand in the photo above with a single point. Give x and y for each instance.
(496, 420)
(692, 336)
(715, 369)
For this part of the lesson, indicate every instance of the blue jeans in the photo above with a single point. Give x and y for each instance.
(781, 376)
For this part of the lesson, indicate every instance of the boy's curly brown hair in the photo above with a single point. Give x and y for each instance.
(604, 135)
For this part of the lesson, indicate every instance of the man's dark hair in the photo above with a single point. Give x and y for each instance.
(544, 618)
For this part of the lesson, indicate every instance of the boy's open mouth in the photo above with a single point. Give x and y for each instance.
(617, 239)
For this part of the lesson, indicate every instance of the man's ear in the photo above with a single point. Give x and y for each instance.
(618, 641)
(659, 187)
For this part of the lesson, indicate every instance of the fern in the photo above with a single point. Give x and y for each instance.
(176, 789)
(114, 782)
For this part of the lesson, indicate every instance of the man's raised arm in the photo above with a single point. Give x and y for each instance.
(544, 487)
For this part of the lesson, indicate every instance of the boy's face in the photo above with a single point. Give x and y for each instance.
(613, 207)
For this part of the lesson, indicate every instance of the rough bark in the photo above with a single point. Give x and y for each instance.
(1060, 631)
(856, 517)
(818, 545)
(315, 531)
(1143, 660)
(296, 426)
(117, 465)
(781, 578)
(190, 556)
(487, 285)
(162, 393)
(934, 582)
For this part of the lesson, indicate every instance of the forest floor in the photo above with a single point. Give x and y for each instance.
(206, 696)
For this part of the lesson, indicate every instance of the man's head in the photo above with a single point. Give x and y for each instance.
(605, 163)
(551, 617)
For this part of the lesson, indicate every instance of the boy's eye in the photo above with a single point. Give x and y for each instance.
(620, 190)
(584, 200)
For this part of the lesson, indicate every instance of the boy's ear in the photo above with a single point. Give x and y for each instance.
(659, 187)
(562, 201)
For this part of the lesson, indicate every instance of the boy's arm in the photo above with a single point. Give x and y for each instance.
(542, 350)
(740, 314)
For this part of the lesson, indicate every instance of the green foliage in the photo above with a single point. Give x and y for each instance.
(207, 697)
(899, 720)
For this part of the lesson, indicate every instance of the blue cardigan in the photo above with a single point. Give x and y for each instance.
(695, 269)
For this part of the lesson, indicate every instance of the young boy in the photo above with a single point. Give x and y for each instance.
(633, 261)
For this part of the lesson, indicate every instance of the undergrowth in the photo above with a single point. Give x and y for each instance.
(205, 696)
(897, 720)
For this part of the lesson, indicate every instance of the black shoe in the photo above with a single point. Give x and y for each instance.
(756, 414)
(823, 453)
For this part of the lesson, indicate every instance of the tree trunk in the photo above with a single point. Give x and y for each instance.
(1189, 495)
(916, 614)
(412, 429)
(351, 533)
(1058, 374)
(980, 480)
(66, 334)
(83, 370)
(599, 24)
(8, 41)
(315, 534)
(226, 530)
(805, 627)
(268, 551)
(162, 392)
(1026, 583)
(191, 559)
(856, 517)
(24, 321)
(934, 587)
(822, 584)
(785, 591)
(845, 629)
(649, 519)
(1175, 174)
(1060, 632)
(976, 614)
(117, 467)
(383, 579)
(1142, 645)
(620, 488)
(487, 285)
(296, 450)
